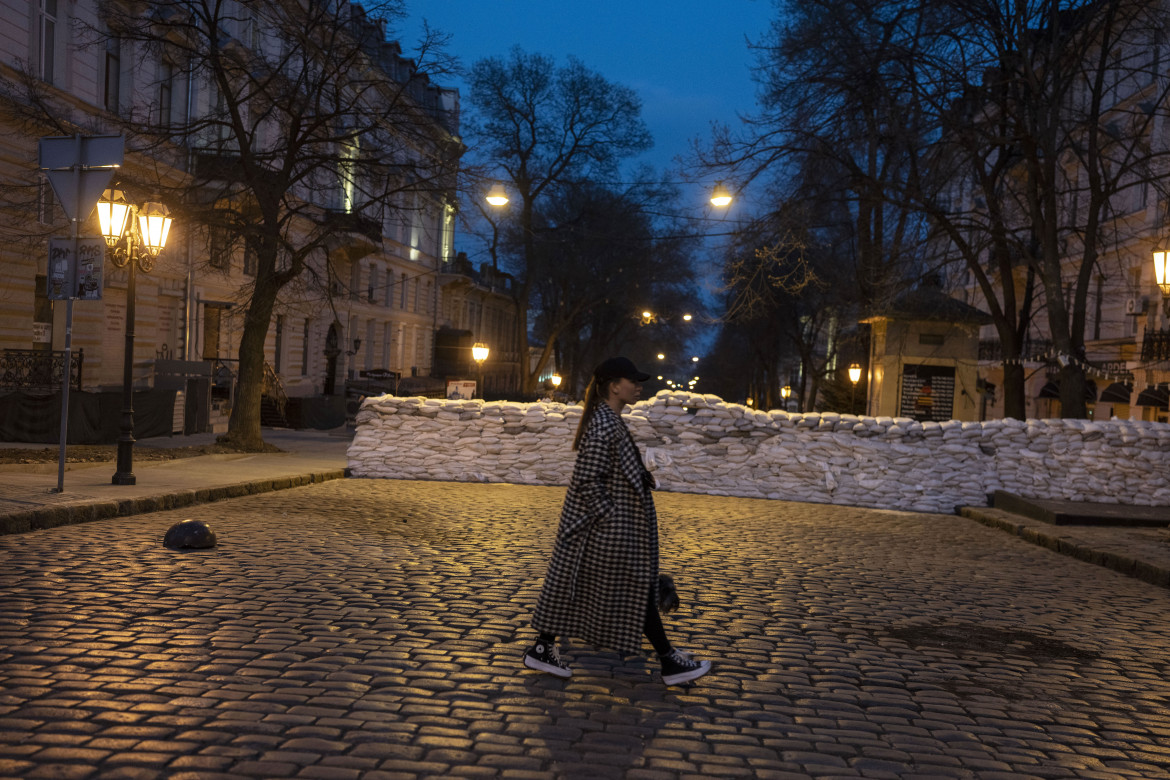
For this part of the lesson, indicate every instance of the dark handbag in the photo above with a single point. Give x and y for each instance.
(667, 594)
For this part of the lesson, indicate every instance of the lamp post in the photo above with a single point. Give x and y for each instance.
(479, 352)
(784, 393)
(134, 248)
(556, 383)
(854, 376)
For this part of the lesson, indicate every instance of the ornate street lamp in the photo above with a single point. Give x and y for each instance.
(135, 248)
(479, 353)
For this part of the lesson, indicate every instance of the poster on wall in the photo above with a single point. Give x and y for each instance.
(460, 390)
(928, 392)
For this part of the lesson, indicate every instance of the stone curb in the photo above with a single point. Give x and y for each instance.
(1066, 544)
(69, 514)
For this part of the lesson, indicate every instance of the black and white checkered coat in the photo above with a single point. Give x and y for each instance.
(605, 560)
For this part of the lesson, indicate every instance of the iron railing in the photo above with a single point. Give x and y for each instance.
(1156, 346)
(39, 369)
(1034, 351)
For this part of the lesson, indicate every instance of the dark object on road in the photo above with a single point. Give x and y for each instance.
(189, 533)
(667, 594)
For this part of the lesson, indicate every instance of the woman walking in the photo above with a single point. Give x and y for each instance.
(602, 582)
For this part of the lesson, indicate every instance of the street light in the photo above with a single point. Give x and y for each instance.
(136, 248)
(784, 393)
(720, 196)
(497, 195)
(479, 352)
(1162, 277)
(854, 376)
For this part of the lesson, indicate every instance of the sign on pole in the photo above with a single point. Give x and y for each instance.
(75, 268)
(79, 169)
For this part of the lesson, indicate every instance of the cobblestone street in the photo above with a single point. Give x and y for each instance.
(374, 629)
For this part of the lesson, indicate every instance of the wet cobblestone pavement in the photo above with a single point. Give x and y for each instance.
(374, 629)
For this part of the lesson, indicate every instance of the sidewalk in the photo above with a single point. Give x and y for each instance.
(28, 500)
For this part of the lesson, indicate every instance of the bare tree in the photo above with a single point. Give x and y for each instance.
(542, 126)
(603, 257)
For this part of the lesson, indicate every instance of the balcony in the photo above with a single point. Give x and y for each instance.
(1156, 346)
(1034, 351)
(351, 235)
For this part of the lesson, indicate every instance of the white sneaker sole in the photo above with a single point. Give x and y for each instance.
(541, 666)
(687, 676)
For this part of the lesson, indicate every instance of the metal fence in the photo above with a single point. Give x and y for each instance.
(39, 369)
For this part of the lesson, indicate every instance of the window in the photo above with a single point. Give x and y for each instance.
(166, 90)
(305, 349)
(46, 202)
(219, 248)
(402, 285)
(112, 91)
(372, 284)
(279, 350)
(389, 288)
(251, 259)
(211, 322)
(47, 39)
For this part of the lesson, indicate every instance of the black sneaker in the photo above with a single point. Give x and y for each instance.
(544, 657)
(678, 667)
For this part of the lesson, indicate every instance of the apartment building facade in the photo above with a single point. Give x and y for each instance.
(369, 304)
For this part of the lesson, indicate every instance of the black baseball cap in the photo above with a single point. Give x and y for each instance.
(619, 368)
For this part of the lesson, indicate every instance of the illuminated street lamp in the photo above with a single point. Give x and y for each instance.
(497, 195)
(784, 393)
(479, 353)
(135, 248)
(1162, 277)
(661, 356)
(854, 376)
(720, 196)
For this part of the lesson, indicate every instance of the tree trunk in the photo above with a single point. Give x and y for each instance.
(244, 424)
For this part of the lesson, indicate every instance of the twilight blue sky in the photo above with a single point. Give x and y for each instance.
(687, 60)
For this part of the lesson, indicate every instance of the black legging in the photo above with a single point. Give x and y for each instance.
(652, 627)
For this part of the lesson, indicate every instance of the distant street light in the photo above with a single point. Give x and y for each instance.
(784, 393)
(479, 353)
(136, 248)
(1162, 277)
(854, 376)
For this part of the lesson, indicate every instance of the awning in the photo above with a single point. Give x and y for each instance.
(1117, 393)
(1052, 390)
(1154, 396)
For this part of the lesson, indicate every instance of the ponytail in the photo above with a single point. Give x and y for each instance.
(594, 395)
